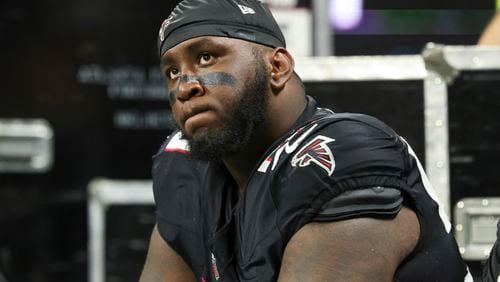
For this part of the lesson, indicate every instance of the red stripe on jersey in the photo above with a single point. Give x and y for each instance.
(170, 150)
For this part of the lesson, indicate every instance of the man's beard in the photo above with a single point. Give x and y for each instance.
(238, 130)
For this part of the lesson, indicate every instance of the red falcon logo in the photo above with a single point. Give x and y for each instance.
(318, 152)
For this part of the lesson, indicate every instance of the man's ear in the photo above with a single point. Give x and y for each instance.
(282, 66)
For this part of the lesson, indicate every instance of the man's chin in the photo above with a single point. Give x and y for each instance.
(205, 145)
(198, 135)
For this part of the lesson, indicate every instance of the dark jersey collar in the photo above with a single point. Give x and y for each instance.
(311, 112)
(308, 112)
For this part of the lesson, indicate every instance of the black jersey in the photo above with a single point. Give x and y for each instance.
(491, 271)
(225, 236)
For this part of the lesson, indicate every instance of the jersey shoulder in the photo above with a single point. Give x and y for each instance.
(174, 143)
(335, 147)
(176, 181)
(173, 161)
(336, 167)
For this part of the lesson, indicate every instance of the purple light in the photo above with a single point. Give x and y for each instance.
(345, 14)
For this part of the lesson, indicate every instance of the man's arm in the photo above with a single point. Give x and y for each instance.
(360, 249)
(163, 263)
(491, 35)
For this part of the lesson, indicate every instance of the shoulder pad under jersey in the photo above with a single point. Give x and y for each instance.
(376, 201)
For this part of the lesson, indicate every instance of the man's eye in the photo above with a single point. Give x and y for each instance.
(205, 58)
(173, 73)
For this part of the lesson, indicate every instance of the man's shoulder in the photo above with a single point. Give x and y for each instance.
(174, 143)
(330, 155)
(177, 179)
(339, 123)
(174, 153)
(306, 172)
(330, 140)
(173, 162)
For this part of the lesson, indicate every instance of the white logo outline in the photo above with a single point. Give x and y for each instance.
(163, 27)
(287, 147)
(246, 10)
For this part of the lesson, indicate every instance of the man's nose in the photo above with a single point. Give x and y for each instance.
(190, 86)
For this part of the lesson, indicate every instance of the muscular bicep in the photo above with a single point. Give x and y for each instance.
(360, 249)
(163, 263)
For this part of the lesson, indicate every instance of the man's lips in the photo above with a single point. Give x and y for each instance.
(198, 121)
(195, 116)
(191, 111)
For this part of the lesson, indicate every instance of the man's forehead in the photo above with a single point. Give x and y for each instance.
(193, 44)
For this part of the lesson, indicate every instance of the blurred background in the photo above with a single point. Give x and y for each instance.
(81, 98)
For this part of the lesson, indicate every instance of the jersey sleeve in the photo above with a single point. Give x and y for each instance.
(351, 166)
(491, 268)
(175, 188)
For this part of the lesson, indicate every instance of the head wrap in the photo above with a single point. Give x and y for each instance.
(248, 20)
